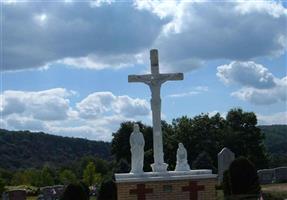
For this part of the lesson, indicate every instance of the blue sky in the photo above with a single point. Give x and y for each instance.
(64, 64)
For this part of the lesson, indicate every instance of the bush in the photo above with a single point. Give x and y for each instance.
(108, 190)
(2, 186)
(75, 192)
(226, 185)
(243, 177)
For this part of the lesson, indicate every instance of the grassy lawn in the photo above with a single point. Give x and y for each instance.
(270, 191)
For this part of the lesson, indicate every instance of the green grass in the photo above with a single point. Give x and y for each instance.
(270, 192)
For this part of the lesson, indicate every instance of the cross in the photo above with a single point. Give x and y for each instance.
(193, 188)
(154, 81)
(141, 191)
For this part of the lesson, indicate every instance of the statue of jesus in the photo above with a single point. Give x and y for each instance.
(137, 150)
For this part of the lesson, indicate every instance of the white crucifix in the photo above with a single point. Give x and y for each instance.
(154, 81)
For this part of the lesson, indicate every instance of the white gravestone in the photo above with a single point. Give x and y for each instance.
(181, 159)
(225, 158)
(154, 81)
(137, 150)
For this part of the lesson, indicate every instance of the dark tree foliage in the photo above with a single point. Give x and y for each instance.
(75, 191)
(199, 134)
(243, 177)
(244, 138)
(202, 133)
(108, 190)
(120, 143)
(23, 149)
(226, 184)
(122, 166)
(203, 161)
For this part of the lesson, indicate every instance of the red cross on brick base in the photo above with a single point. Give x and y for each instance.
(193, 188)
(141, 191)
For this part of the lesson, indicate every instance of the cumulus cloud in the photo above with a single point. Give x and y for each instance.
(208, 30)
(100, 34)
(99, 103)
(94, 117)
(264, 96)
(249, 74)
(39, 33)
(259, 86)
(44, 105)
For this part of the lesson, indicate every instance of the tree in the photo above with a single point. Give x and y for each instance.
(67, 177)
(47, 176)
(90, 176)
(244, 138)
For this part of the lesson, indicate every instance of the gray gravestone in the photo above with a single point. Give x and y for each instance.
(225, 158)
(16, 195)
(51, 192)
(280, 174)
(266, 176)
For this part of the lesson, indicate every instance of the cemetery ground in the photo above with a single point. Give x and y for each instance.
(277, 191)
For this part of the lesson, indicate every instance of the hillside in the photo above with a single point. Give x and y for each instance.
(23, 149)
(276, 143)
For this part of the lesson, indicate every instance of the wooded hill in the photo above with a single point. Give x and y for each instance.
(276, 143)
(24, 149)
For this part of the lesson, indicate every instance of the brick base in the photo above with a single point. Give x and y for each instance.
(168, 190)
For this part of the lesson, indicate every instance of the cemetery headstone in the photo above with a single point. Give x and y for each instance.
(17, 195)
(266, 176)
(280, 174)
(225, 158)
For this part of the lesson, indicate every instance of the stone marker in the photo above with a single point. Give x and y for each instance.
(266, 176)
(280, 174)
(137, 150)
(16, 195)
(225, 158)
(154, 81)
(181, 159)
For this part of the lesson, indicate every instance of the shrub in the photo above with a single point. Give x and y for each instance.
(75, 192)
(2, 186)
(243, 177)
(107, 190)
(226, 185)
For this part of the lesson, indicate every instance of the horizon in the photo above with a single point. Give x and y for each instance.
(65, 64)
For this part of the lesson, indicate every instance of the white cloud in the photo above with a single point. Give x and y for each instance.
(99, 103)
(107, 34)
(209, 30)
(95, 117)
(249, 74)
(259, 86)
(264, 96)
(276, 118)
(44, 105)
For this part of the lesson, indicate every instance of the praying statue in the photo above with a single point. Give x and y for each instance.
(137, 150)
(181, 159)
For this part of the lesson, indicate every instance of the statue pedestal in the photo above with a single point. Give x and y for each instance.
(170, 185)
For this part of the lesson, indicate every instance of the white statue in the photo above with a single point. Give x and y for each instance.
(181, 159)
(137, 150)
